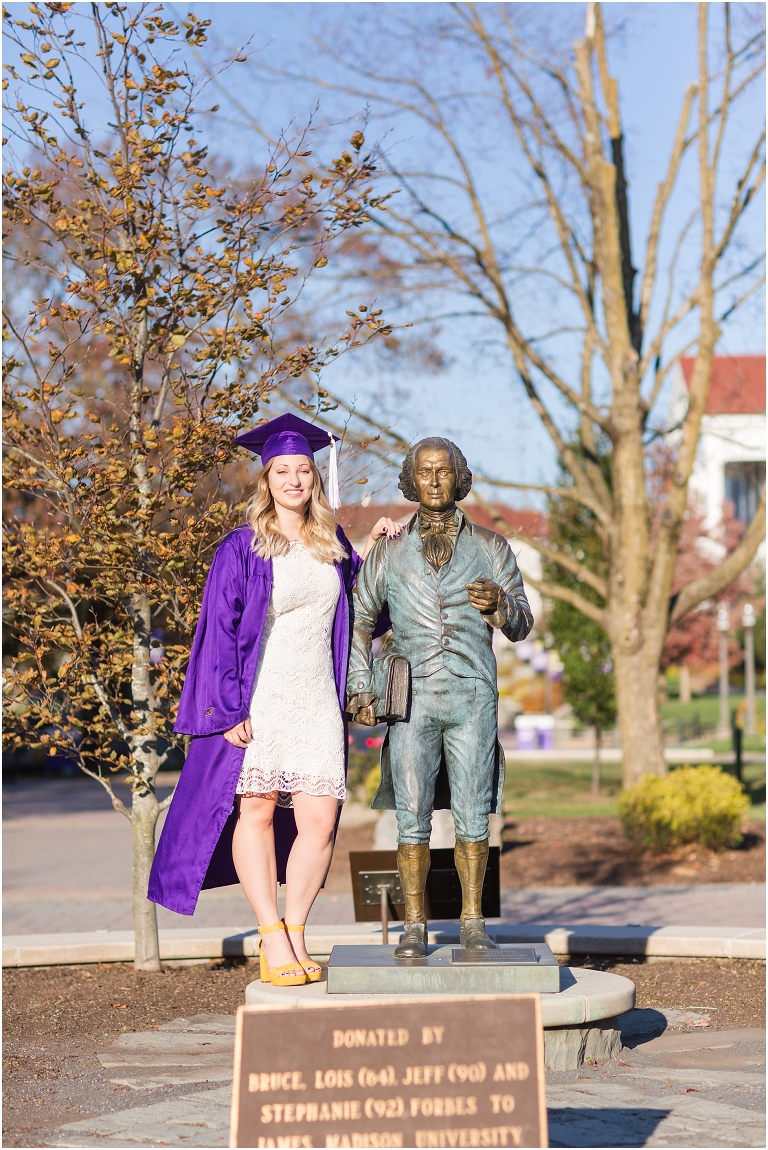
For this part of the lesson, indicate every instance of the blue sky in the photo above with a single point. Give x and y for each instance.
(476, 399)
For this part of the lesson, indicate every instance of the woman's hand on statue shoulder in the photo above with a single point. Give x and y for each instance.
(383, 526)
(241, 735)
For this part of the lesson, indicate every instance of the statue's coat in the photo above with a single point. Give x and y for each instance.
(435, 626)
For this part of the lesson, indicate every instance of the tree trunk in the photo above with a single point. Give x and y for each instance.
(639, 718)
(595, 788)
(145, 806)
(143, 823)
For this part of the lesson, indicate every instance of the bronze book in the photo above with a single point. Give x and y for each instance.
(394, 692)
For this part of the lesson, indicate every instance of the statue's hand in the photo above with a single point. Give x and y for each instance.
(489, 599)
(367, 715)
(362, 708)
(485, 595)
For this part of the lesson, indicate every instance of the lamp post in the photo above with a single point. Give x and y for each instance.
(723, 627)
(748, 622)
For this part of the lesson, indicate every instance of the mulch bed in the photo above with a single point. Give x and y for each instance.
(731, 991)
(57, 1019)
(594, 852)
(101, 1000)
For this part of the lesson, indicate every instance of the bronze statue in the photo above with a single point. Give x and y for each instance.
(447, 584)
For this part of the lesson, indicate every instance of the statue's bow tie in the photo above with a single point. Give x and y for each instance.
(438, 531)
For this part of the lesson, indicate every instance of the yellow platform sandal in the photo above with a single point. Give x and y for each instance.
(279, 975)
(313, 972)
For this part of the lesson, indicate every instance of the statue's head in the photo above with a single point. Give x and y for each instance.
(435, 474)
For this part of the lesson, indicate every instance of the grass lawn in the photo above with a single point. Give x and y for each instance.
(723, 746)
(708, 708)
(705, 709)
(535, 791)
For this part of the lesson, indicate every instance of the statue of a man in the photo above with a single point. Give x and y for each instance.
(447, 584)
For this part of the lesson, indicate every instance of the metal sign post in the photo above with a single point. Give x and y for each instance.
(384, 892)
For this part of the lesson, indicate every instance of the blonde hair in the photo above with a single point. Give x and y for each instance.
(318, 529)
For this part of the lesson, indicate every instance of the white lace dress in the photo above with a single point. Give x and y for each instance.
(298, 733)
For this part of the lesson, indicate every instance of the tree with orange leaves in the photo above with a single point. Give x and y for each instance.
(143, 326)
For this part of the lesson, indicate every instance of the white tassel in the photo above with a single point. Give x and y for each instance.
(333, 477)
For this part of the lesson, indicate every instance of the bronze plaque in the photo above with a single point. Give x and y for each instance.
(504, 954)
(429, 1072)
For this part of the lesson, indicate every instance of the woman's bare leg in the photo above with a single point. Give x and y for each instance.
(309, 859)
(253, 853)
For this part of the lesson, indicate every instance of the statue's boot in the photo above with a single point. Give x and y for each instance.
(413, 865)
(471, 861)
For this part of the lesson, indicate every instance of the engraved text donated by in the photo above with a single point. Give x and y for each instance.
(423, 1073)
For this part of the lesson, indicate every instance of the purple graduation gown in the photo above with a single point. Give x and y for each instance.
(195, 848)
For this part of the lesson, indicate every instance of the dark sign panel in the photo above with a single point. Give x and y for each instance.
(443, 894)
(429, 1072)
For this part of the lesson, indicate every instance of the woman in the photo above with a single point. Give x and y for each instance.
(258, 799)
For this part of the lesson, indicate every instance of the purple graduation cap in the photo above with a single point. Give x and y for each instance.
(290, 435)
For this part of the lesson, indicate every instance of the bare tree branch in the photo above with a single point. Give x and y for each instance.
(117, 803)
(741, 201)
(583, 573)
(404, 445)
(566, 595)
(663, 193)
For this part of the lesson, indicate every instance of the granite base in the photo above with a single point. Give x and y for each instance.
(446, 970)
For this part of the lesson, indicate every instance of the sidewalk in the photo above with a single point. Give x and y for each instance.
(46, 910)
(705, 904)
(679, 756)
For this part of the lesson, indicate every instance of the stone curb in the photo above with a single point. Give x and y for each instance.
(236, 941)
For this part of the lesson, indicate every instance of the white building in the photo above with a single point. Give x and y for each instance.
(730, 462)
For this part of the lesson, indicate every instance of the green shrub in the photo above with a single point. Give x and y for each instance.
(372, 783)
(363, 774)
(691, 805)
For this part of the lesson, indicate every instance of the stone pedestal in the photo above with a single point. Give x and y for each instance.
(580, 1021)
(446, 970)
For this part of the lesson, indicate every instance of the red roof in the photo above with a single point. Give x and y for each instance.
(737, 386)
(357, 521)
(526, 521)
